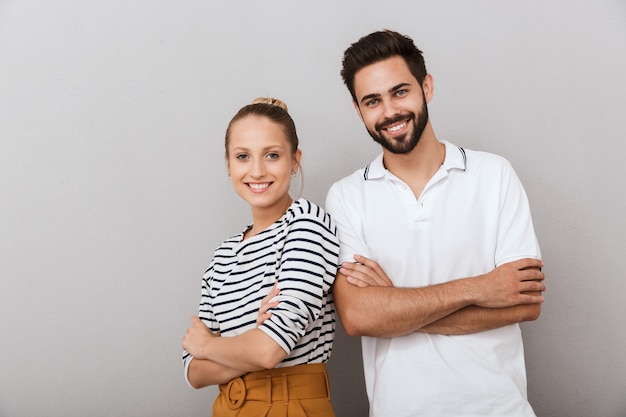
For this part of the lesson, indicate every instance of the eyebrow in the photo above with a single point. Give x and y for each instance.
(265, 149)
(391, 90)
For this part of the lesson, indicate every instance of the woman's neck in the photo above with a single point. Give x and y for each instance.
(264, 217)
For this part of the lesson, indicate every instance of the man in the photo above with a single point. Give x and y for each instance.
(447, 262)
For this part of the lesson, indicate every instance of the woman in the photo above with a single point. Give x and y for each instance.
(266, 323)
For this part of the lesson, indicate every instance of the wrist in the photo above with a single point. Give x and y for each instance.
(206, 349)
(469, 293)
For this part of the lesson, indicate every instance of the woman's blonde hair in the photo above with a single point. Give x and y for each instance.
(272, 108)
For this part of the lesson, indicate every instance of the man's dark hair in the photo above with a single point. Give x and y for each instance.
(379, 46)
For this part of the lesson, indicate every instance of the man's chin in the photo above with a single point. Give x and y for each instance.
(397, 145)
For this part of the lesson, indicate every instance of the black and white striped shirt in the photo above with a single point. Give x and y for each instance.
(300, 250)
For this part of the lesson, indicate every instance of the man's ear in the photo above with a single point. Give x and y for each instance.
(357, 108)
(428, 86)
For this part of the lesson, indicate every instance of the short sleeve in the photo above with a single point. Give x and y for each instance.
(349, 230)
(516, 235)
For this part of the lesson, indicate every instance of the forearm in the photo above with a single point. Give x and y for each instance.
(202, 373)
(251, 351)
(391, 311)
(474, 319)
(369, 306)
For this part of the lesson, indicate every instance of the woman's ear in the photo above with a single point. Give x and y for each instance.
(298, 158)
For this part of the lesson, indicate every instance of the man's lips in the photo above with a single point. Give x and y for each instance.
(394, 125)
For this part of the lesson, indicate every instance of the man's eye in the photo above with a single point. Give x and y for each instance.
(371, 103)
(401, 92)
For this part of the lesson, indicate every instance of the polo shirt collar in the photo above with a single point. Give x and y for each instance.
(455, 159)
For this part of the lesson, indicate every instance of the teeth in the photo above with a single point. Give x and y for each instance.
(259, 186)
(397, 127)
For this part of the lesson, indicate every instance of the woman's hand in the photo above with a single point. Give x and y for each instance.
(365, 273)
(267, 304)
(197, 339)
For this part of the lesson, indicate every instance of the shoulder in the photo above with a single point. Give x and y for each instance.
(460, 157)
(304, 207)
(488, 158)
(352, 181)
(484, 169)
(355, 182)
(231, 241)
(303, 210)
(228, 243)
(224, 253)
(476, 162)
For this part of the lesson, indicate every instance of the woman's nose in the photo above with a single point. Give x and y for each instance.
(258, 168)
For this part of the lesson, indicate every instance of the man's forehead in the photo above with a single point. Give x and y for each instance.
(382, 77)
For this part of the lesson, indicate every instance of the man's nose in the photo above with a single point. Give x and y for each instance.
(390, 109)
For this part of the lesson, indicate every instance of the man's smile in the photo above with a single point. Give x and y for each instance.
(395, 128)
(394, 125)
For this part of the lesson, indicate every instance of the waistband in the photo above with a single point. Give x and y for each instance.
(278, 384)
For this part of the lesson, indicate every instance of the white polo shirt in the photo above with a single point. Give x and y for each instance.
(472, 216)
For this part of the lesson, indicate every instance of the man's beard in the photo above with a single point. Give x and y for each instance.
(404, 143)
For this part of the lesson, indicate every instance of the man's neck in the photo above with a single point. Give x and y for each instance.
(417, 167)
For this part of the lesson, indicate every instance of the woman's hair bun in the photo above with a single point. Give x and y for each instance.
(270, 100)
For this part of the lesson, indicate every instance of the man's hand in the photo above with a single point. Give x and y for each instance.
(267, 304)
(197, 337)
(365, 273)
(510, 284)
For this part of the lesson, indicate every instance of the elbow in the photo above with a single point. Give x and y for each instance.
(195, 385)
(270, 358)
(353, 331)
(269, 363)
(350, 323)
(196, 380)
(352, 309)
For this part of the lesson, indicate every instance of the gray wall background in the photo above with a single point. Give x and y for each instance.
(113, 190)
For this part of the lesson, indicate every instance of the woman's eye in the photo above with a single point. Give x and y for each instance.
(242, 156)
(272, 155)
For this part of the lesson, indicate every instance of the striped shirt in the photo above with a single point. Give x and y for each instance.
(300, 251)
